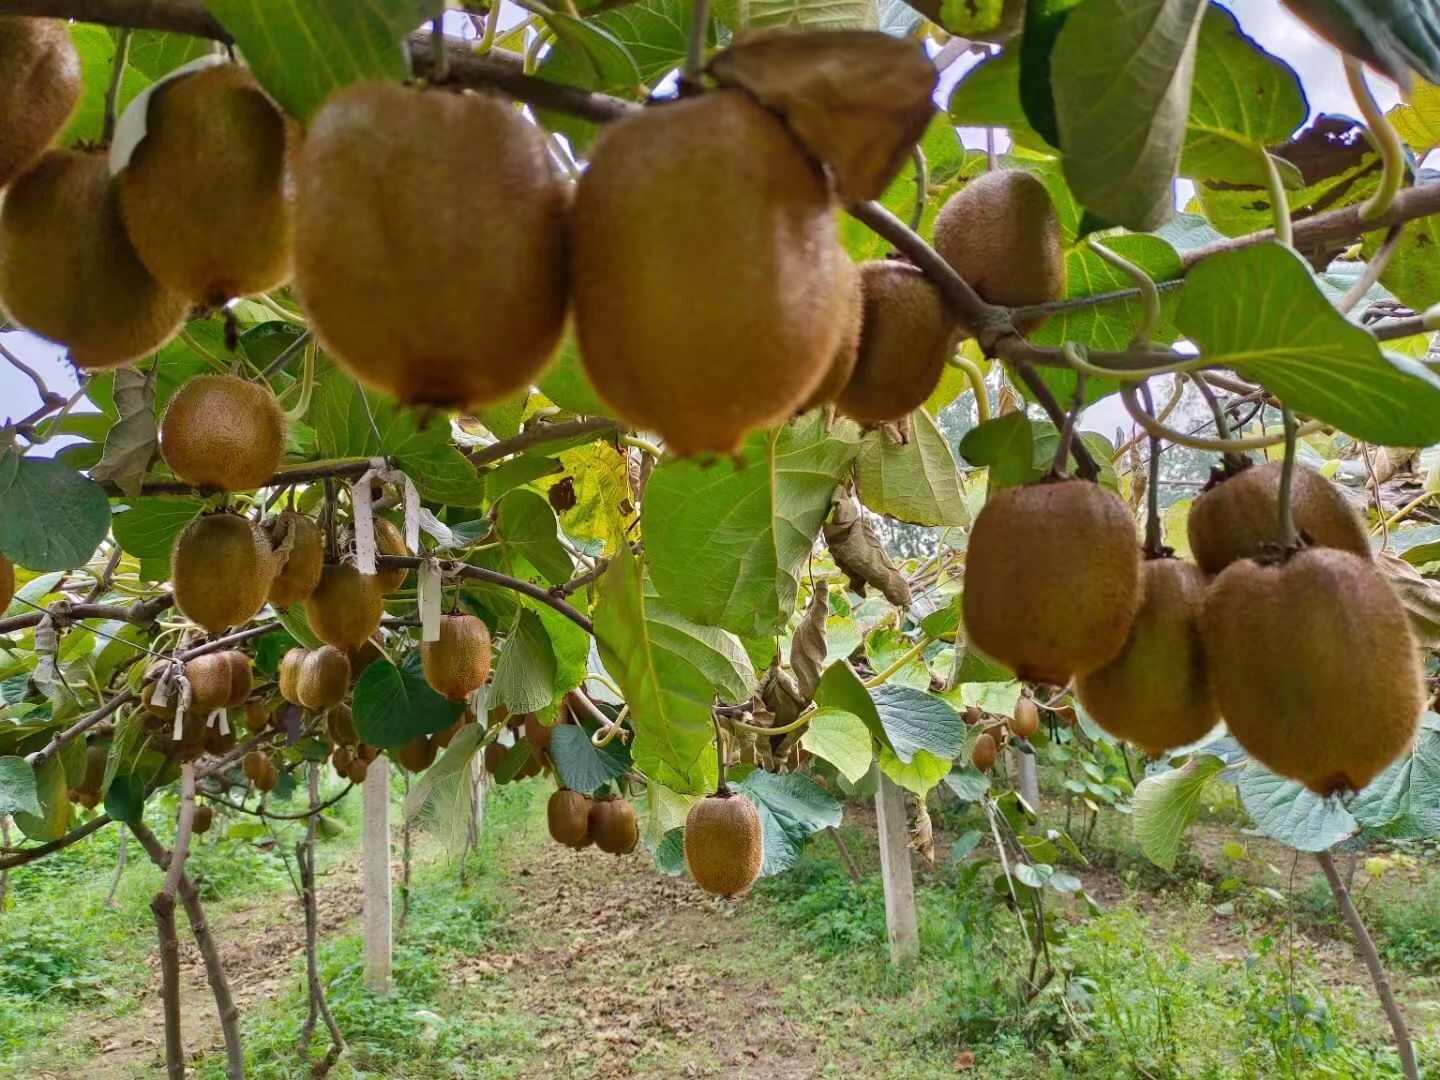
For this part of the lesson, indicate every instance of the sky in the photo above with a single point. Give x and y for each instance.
(1267, 21)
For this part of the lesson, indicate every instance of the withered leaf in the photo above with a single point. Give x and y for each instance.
(807, 646)
(781, 695)
(1420, 596)
(857, 551)
(856, 99)
(132, 443)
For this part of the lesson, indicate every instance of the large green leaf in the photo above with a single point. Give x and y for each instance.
(392, 705)
(915, 481)
(18, 791)
(842, 739)
(1165, 804)
(52, 793)
(302, 50)
(798, 14)
(725, 544)
(1405, 798)
(1005, 445)
(917, 775)
(570, 646)
(51, 517)
(1413, 272)
(792, 809)
(581, 765)
(525, 674)
(525, 526)
(1258, 310)
(840, 688)
(95, 46)
(717, 653)
(1285, 811)
(988, 95)
(668, 691)
(1121, 72)
(916, 720)
(1243, 101)
(421, 446)
(147, 529)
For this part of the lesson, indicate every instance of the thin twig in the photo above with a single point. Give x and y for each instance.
(505, 581)
(1154, 541)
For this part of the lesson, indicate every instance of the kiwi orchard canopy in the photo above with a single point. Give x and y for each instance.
(715, 459)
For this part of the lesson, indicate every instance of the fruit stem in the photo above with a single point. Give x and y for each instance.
(1067, 429)
(719, 754)
(1085, 463)
(1384, 138)
(695, 47)
(1279, 204)
(1197, 442)
(1149, 292)
(976, 379)
(922, 185)
(1233, 462)
(1288, 538)
(1154, 540)
(112, 91)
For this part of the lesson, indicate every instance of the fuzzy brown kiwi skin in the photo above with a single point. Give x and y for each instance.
(378, 159)
(568, 816)
(389, 540)
(613, 826)
(459, 662)
(847, 351)
(300, 572)
(724, 846)
(221, 568)
(1156, 693)
(1052, 579)
(982, 754)
(7, 582)
(345, 608)
(38, 94)
(1238, 516)
(324, 678)
(415, 756)
(1314, 666)
(221, 433)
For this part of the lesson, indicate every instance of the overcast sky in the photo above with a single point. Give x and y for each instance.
(1265, 20)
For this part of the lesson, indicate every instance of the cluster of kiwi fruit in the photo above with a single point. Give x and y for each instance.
(1305, 652)
(992, 733)
(217, 680)
(607, 821)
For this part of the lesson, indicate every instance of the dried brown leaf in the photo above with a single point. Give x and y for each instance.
(807, 646)
(1420, 596)
(134, 440)
(857, 551)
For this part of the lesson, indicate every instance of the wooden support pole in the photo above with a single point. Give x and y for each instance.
(900, 922)
(1027, 779)
(375, 852)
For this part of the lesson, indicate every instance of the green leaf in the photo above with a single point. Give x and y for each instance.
(154, 53)
(717, 653)
(149, 527)
(566, 384)
(1243, 101)
(392, 705)
(453, 761)
(51, 517)
(798, 14)
(916, 481)
(1122, 120)
(670, 853)
(669, 694)
(840, 688)
(1005, 445)
(297, 626)
(1258, 310)
(580, 764)
(918, 775)
(916, 720)
(792, 809)
(1285, 811)
(302, 50)
(125, 798)
(95, 46)
(842, 739)
(988, 95)
(570, 646)
(1165, 804)
(586, 54)
(726, 543)
(968, 783)
(525, 675)
(1411, 274)
(1405, 798)
(53, 795)
(18, 793)
(526, 527)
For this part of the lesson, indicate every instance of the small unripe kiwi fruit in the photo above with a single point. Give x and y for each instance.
(982, 754)
(356, 770)
(613, 826)
(289, 676)
(345, 608)
(568, 815)
(303, 548)
(415, 756)
(221, 433)
(204, 818)
(324, 678)
(221, 568)
(340, 722)
(1026, 719)
(389, 540)
(724, 844)
(41, 86)
(458, 663)
(254, 764)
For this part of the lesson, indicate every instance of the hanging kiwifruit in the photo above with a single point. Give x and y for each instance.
(1026, 719)
(568, 813)
(345, 608)
(256, 716)
(356, 770)
(613, 826)
(389, 540)
(324, 678)
(289, 675)
(982, 754)
(704, 350)
(67, 270)
(221, 433)
(459, 662)
(204, 818)
(494, 757)
(1001, 234)
(221, 568)
(269, 778)
(241, 677)
(905, 337)
(723, 843)
(205, 195)
(415, 756)
(1314, 666)
(341, 757)
(1052, 579)
(444, 735)
(380, 161)
(847, 350)
(1238, 515)
(361, 657)
(1155, 693)
(7, 583)
(41, 84)
(209, 678)
(298, 540)
(253, 765)
(537, 734)
(340, 722)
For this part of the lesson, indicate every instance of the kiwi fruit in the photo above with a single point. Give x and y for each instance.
(706, 272)
(460, 310)
(220, 569)
(324, 678)
(724, 846)
(7, 583)
(205, 196)
(1239, 515)
(1052, 579)
(298, 575)
(356, 770)
(41, 86)
(221, 433)
(389, 540)
(568, 813)
(847, 350)
(972, 715)
(1026, 720)
(361, 657)
(537, 734)
(494, 757)
(613, 826)
(67, 270)
(289, 675)
(1155, 694)
(1001, 234)
(345, 608)
(269, 778)
(906, 335)
(340, 722)
(442, 738)
(254, 765)
(256, 716)
(458, 663)
(210, 679)
(982, 754)
(1314, 666)
(415, 756)
(204, 818)
(341, 758)
(365, 752)
(241, 677)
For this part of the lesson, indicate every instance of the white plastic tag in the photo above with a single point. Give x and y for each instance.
(431, 594)
(412, 515)
(219, 721)
(364, 519)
